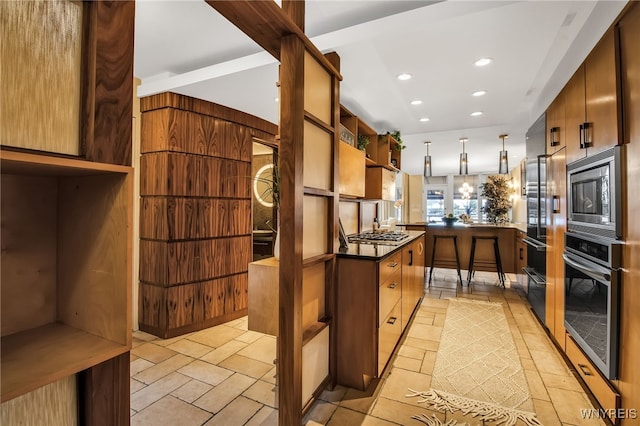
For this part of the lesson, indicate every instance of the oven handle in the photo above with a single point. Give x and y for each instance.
(594, 271)
(539, 246)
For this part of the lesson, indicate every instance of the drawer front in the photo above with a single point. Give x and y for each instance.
(390, 292)
(389, 266)
(599, 386)
(388, 335)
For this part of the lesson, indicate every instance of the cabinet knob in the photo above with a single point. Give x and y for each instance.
(585, 370)
(392, 264)
(393, 285)
(392, 320)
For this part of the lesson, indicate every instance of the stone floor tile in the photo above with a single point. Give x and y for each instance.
(220, 396)
(570, 407)
(270, 376)
(424, 320)
(247, 366)
(249, 336)
(427, 345)
(223, 352)
(536, 386)
(138, 365)
(190, 348)
(361, 401)
(262, 349)
(546, 413)
(267, 416)
(172, 340)
(141, 335)
(397, 385)
(240, 323)
(191, 390)
(333, 395)
(133, 357)
(426, 332)
(394, 411)
(411, 352)
(568, 382)
(135, 386)
(238, 412)
(157, 390)
(152, 352)
(263, 392)
(428, 362)
(163, 368)
(320, 413)
(170, 411)
(205, 372)
(550, 362)
(407, 363)
(216, 336)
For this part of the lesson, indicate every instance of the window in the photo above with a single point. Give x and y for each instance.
(435, 204)
(465, 196)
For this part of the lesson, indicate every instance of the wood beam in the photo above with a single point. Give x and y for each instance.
(290, 158)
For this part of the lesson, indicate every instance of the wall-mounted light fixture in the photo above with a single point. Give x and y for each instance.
(464, 165)
(427, 162)
(504, 159)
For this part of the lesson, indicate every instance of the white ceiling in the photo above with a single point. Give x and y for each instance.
(187, 47)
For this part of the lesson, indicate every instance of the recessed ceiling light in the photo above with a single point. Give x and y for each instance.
(482, 62)
(404, 76)
(476, 113)
(479, 93)
(424, 119)
(416, 102)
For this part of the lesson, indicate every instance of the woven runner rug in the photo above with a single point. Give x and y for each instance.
(477, 369)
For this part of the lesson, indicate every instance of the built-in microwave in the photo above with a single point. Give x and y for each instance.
(594, 194)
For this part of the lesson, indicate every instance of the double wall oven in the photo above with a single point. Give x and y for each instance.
(593, 256)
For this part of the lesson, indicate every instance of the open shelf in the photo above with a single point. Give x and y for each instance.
(65, 267)
(39, 356)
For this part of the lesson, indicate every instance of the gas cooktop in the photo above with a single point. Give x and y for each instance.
(387, 238)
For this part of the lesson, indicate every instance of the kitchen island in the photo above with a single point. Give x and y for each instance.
(513, 252)
(378, 289)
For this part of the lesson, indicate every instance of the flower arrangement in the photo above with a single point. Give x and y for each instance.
(496, 191)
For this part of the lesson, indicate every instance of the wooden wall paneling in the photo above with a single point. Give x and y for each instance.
(318, 157)
(52, 404)
(108, 81)
(181, 306)
(104, 393)
(313, 295)
(29, 252)
(240, 139)
(261, 128)
(41, 75)
(152, 302)
(154, 131)
(629, 370)
(213, 298)
(315, 227)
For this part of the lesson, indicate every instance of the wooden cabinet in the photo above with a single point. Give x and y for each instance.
(384, 152)
(375, 299)
(351, 171)
(521, 252)
(413, 272)
(66, 267)
(591, 103)
(556, 214)
(380, 184)
(556, 124)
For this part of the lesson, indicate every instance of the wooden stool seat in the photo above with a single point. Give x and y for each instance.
(433, 255)
(496, 257)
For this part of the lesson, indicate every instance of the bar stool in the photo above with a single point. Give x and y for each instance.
(433, 255)
(496, 255)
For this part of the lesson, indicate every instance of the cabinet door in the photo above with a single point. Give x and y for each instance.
(601, 95)
(556, 131)
(574, 114)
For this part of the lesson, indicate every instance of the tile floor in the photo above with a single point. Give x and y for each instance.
(225, 375)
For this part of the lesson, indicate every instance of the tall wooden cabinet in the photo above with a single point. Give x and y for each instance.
(66, 212)
(591, 102)
(195, 187)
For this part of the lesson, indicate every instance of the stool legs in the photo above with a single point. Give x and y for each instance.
(496, 252)
(473, 253)
(433, 258)
(455, 246)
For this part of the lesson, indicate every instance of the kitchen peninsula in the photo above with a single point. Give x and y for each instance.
(513, 251)
(379, 287)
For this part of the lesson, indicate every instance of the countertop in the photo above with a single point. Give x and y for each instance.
(376, 251)
(459, 224)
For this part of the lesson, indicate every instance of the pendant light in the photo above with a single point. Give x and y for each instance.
(427, 161)
(504, 159)
(464, 165)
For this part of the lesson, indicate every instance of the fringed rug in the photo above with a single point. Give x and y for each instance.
(477, 369)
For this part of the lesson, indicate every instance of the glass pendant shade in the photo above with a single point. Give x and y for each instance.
(504, 158)
(427, 162)
(464, 164)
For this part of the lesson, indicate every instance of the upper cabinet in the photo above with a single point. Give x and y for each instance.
(591, 103)
(556, 129)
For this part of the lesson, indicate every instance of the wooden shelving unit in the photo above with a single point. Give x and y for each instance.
(66, 267)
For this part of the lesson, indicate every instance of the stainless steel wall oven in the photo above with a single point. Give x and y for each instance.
(592, 283)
